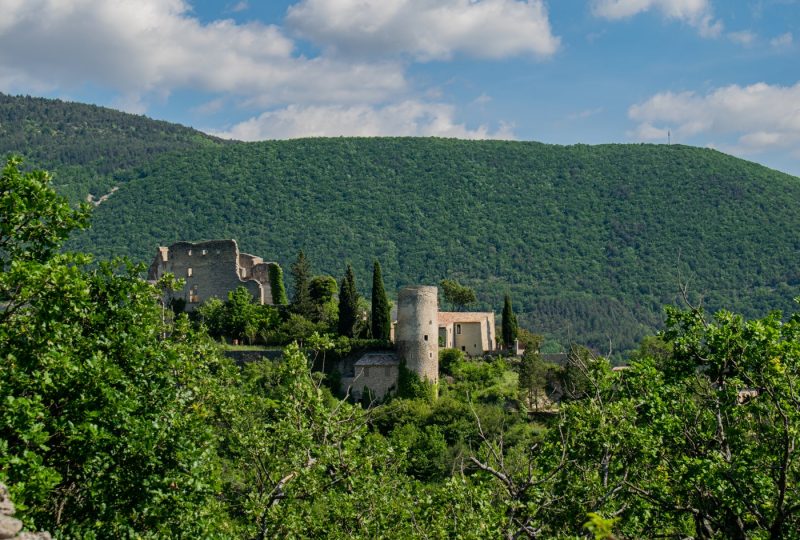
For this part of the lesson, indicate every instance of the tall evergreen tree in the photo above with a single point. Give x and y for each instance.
(348, 303)
(381, 317)
(301, 297)
(276, 285)
(510, 328)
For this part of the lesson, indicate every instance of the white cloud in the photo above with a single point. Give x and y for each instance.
(697, 13)
(408, 118)
(152, 47)
(760, 116)
(427, 29)
(238, 7)
(744, 37)
(781, 41)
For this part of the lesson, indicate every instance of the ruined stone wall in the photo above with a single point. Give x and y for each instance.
(210, 269)
(260, 273)
(417, 331)
(10, 526)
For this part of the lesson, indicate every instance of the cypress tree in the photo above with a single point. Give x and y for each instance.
(276, 285)
(510, 327)
(348, 303)
(301, 297)
(381, 317)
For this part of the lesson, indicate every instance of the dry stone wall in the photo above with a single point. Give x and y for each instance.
(11, 527)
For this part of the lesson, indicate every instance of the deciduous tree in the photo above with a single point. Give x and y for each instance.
(458, 295)
(301, 296)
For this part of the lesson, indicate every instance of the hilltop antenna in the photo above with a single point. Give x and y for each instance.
(669, 137)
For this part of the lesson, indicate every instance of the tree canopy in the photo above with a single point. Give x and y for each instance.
(381, 316)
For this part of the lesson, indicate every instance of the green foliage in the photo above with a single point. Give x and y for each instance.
(348, 304)
(381, 316)
(409, 385)
(35, 221)
(456, 294)
(510, 328)
(301, 297)
(104, 424)
(596, 240)
(279, 297)
(534, 374)
(240, 318)
(89, 149)
(448, 359)
(601, 528)
(529, 340)
(322, 290)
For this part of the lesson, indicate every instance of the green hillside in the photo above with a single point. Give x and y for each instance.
(87, 148)
(591, 241)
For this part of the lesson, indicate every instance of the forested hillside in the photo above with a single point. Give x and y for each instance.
(591, 241)
(87, 148)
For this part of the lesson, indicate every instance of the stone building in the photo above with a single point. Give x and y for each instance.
(378, 371)
(212, 269)
(416, 345)
(471, 332)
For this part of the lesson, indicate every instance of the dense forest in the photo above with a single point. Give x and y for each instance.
(120, 419)
(591, 241)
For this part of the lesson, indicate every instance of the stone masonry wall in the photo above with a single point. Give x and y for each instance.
(417, 331)
(10, 526)
(212, 269)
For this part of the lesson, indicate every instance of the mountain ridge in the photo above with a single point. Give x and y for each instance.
(591, 241)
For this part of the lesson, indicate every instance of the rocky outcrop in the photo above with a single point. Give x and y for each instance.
(10, 526)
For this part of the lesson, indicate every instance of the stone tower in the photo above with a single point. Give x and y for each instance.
(417, 331)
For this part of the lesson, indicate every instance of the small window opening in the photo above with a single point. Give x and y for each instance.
(464, 348)
(425, 337)
(188, 272)
(458, 329)
(205, 252)
(189, 253)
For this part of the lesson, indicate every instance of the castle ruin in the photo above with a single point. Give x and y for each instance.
(212, 269)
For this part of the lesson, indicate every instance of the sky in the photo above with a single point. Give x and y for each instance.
(710, 73)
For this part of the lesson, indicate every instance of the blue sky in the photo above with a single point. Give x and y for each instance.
(712, 73)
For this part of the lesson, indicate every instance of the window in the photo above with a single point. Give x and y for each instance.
(188, 272)
(464, 348)
(205, 252)
(458, 329)
(425, 337)
(189, 253)
(194, 298)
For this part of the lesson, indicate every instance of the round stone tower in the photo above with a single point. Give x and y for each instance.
(417, 331)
